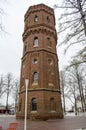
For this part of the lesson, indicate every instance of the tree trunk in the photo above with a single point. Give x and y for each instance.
(82, 16)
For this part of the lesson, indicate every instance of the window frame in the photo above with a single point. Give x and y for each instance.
(35, 60)
(34, 104)
(35, 77)
(35, 43)
(48, 19)
(36, 18)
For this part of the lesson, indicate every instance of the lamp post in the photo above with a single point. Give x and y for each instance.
(26, 84)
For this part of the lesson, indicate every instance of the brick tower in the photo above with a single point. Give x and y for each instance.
(40, 65)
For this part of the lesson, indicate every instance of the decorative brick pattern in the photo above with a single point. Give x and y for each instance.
(40, 28)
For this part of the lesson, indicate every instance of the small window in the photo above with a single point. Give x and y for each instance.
(35, 61)
(50, 61)
(36, 18)
(35, 42)
(49, 42)
(52, 104)
(48, 38)
(34, 104)
(20, 105)
(48, 19)
(35, 77)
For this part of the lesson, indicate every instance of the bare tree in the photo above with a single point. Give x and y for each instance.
(1, 85)
(77, 75)
(62, 84)
(73, 24)
(2, 12)
(16, 92)
(9, 87)
(72, 92)
(8, 83)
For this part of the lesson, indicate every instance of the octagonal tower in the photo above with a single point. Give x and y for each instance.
(40, 66)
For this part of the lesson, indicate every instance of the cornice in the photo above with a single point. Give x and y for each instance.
(38, 8)
(42, 89)
(39, 28)
(39, 50)
(39, 25)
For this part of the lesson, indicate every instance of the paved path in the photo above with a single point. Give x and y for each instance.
(68, 123)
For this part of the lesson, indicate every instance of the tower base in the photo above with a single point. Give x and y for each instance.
(36, 116)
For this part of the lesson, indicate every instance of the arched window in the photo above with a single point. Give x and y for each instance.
(36, 18)
(48, 19)
(52, 104)
(49, 42)
(35, 61)
(35, 77)
(35, 44)
(34, 104)
(20, 105)
(50, 61)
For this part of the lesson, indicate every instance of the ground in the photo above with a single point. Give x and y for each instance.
(69, 122)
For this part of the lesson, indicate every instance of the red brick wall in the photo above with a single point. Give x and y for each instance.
(47, 90)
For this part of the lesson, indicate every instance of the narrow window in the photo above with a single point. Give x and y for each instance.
(20, 105)
(35, 41)
(36, 18)
(34, 104)
(35, 61)
(50, 61)
(48, 19)
(35, 77)
(49, 42)
(52, 104)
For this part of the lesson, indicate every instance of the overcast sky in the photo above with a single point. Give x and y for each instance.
(11, 44)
